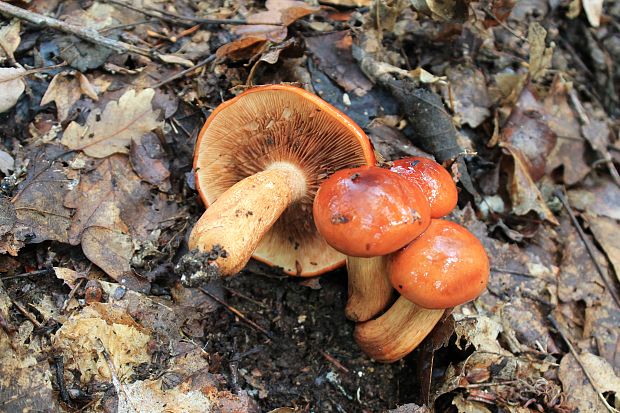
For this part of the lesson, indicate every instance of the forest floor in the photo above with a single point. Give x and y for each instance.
(100, 106)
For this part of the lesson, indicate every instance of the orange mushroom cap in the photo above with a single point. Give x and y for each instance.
(369, 211)
(433, 180)
(446, 266)
(274, 124)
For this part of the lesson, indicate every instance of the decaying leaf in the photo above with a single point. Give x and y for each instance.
(80, 339)
(540, 54)
(41, 215)
(602, 198)
(11, 87)
(605, 231)
(569, 151)
(524, 193)
(149, 161)
(69, 276)
(468, 93)
(9, 39)
(577, 387)
(332, 53)
(63, 90)
(111, 131)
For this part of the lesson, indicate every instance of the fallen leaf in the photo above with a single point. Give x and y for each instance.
(569, 151)
(7, 163)
(242, 49)
(332, 54)
(8, 216)
(594, 10)
(527, 133)
(64, 90)
(69, 276)
(602, 198)
(468, 93)
(111, 131)
(87, 88)
(149, 161)
(540, 54)
(170, 58)
(9, 39)
(444, 9)
(11, 87)
(109, 249)
(80, 339)
(106, 197)
(468, 406)
(577, 387)
(524, 193)
(41, 215)
(605, 231)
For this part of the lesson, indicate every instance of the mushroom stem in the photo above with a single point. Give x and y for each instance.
(370, 290)
(397, 332)
(235, 223)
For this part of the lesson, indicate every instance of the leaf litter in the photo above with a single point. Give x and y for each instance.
(97, 200)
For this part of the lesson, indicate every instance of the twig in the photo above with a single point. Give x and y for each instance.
(84, 33)
(504, 25)
(27, 314)
(236, 312)
(560, 194)
(27, 274)
(335, 362)
(182, 20)
(59, 363)
(182, 73)
(115, 380)
(250, 299)
(583, 368)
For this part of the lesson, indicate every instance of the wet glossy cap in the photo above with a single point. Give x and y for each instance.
(369, 211)
(272, 124)
(433, 180)
(444, 267)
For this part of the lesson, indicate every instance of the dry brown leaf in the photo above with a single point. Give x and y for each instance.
(540, 54)
(9, 39)
(11, 87)
(602, 198)
(171, 58)
(569, 151)
(87, 88)
(594, 10)
(332, 52)
(80, 338)
(69, 276)
(111, 131)
(577, 387)
(148, 159)
(65, 91)
(110, 249)
(468, 93)
(348, 3)
(524, 193)
(242, 49)
(41, 215)
(606, 231)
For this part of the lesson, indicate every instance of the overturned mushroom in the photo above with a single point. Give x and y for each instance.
(259, 160)
(446, 266)
(366, 213)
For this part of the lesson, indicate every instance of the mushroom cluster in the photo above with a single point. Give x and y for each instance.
(292, 181)
(387, 223)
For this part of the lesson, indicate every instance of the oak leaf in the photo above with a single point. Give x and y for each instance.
(111, 131)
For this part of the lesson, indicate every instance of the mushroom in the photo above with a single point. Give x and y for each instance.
(444, 267)
(367, 213)
(433, 180)
(259, 160)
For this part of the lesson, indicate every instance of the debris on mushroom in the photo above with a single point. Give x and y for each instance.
(366, 213)
(433, 180)
(444, 267)
(259, 160)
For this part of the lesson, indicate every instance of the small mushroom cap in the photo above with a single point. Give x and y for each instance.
(369, 211)
(444, 267)
(433, 180)
(281, 124)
